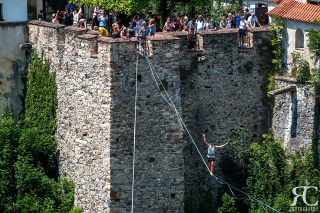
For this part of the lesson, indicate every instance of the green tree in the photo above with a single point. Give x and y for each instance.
(272, 172)
(228, 204)
(314, 47)
(28, 170)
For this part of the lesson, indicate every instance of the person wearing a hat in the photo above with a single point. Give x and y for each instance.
(131, 30)
(211, 152)
(212, 25)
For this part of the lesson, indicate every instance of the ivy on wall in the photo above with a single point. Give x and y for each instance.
(28, 168)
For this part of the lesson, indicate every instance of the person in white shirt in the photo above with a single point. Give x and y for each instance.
(200, 23)
(76, 18)
(242, 30)
(252, 20)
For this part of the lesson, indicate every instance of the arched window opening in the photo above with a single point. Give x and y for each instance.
(299, 39)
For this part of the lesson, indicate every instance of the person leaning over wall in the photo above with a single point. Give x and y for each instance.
(102, 31)
(212, 26)
(223, 23)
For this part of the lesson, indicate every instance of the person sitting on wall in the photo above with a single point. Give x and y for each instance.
(124, 33)
(83, 21)
(40, 16)
(211, 153)
(70, 6)
(252, 20)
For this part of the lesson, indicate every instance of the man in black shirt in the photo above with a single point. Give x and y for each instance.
(248, 14)
(40, 16)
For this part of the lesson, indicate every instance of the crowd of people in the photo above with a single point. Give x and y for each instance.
(142, 28)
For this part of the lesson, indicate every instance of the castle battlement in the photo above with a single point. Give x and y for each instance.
(216, 89)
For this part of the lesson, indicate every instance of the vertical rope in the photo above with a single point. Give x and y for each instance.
(134, 133)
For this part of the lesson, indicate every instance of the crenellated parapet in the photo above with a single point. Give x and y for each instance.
(216, 88)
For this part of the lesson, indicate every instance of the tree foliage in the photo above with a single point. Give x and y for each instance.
(314, 47)
(28, 171)
(271, 172)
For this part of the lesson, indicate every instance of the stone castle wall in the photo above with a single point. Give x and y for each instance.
(295, 113)
(216, 89)
(13, 61)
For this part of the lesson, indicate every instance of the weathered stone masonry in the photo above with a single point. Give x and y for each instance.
(211, 88)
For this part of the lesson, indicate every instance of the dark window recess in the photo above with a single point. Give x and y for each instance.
(173, 195)
(84, 134)
(1, 16)
(294, 112)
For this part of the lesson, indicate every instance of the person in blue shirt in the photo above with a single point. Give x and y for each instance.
(70, 6)
(238, 18)
(103, 20)
(211, 153)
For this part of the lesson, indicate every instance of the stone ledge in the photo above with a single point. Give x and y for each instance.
(116, 40)
(46, 24)
(260, 29)
(290, 88)
(93, 32)
(14, 23)
(87, 36)
(289, 79)
(76, 29)
(162, 38)
(217, 32)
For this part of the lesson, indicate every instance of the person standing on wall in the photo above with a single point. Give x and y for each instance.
(211, 153)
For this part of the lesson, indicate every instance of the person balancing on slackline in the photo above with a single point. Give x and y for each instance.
(211, 151)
